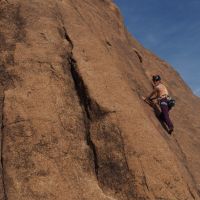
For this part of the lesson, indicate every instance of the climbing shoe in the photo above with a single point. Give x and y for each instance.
(170, 131)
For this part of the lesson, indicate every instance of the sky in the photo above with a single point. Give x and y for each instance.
(170, 29)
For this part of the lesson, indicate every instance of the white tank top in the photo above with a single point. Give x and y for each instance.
(162, 90)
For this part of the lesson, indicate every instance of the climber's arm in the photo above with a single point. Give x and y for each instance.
(154, 92)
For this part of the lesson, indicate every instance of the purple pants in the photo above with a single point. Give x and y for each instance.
(164, 116)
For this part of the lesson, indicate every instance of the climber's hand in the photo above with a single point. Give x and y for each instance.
(146, 99)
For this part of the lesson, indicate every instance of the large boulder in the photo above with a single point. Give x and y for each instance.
(73, 125)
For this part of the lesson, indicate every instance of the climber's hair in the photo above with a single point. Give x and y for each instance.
(156, 78)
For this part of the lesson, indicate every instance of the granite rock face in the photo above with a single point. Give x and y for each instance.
(73, 125)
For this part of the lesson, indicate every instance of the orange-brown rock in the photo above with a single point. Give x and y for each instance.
(73, 125)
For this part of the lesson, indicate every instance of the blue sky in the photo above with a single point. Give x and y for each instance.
(170, 29)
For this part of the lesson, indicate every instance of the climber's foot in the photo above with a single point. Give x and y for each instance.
(170, 131)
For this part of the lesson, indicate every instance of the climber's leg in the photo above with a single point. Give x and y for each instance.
(165, 114)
